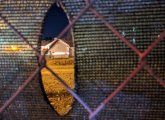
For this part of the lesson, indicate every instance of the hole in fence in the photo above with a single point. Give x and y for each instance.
(60, 58)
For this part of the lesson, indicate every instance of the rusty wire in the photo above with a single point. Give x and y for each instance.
(92, 114)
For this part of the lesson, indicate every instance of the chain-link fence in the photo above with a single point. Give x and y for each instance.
(119, 60)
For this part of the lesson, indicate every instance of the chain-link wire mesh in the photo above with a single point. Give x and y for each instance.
(119, 59)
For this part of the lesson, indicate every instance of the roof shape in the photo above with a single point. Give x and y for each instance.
(57, 40)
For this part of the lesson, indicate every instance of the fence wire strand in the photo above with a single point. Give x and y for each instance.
(20, 35)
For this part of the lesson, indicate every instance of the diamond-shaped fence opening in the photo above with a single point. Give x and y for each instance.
(119, 53)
